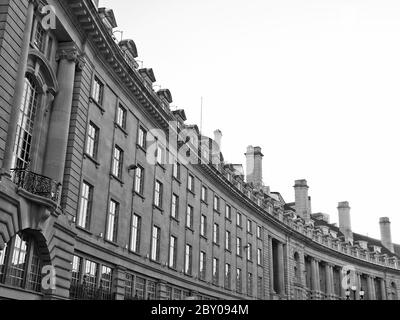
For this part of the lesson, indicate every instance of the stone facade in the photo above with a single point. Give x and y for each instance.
(72, 199)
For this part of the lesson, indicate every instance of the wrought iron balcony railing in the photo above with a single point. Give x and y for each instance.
(36, 184)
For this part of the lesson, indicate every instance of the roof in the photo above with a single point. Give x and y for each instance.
(360, 237)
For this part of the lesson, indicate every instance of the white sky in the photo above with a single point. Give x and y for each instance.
(314, 83)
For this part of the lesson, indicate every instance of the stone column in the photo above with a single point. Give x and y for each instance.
(69, 57)
(18, 92)
(281, 269)
(329, 280)
(315, 285)
(371, 288)
(359, 285)
(119, 283)
(383, 289)
(342, 288)
(271, 266)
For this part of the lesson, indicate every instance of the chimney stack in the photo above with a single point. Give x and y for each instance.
(302, 200)
(345, 221)
(254, 158)
(386, 234)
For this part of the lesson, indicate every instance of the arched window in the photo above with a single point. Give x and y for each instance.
(20, 263)
(25, 125)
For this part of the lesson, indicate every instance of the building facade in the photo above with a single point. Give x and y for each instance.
(98, 200)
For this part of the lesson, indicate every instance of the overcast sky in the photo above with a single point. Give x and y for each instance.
(316, 84)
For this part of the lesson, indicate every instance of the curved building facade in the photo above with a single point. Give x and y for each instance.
(106, 193)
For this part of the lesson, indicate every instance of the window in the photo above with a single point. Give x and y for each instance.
(215, 268)
(135, 233)
(112, 221)
(204, 194)
(259, 256)
(260, 288)
(151, 290)
(158, 190)
(92, 141)
(175, 206)
(259, 232)
(228, 212)
(40, 37)
(121, 116)
(20, 263)
(228, 245)
(155, 244)
(249, 252)
(24, 134)
(239, 246)
(203, 226)
(142, 137)
(202, 265)
(176, 170)
(250, 284)
(239, 219)
(190, 183)
(118, 159)
(188, 259)
(249, 226)
(216, 203)
(85, 206)
(172, 251)
(189, 217)
(216, 233)
(97, 91)
(160, 155)
(239, 280)
(90, 280)
(106, 279)
(139, 178)
(227, 276)
(90, 276)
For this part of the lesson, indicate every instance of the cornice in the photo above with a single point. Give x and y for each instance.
(109, 51)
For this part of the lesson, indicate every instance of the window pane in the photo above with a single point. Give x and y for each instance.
(135, 233)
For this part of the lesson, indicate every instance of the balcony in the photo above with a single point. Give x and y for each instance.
(36, 184)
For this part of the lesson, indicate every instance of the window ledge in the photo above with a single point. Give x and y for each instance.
(161, 166)
(138, 146)
(116, 178)
(111, 242)
(84, 230)
(204, 237)
(158, 208)
(117, 126)
(228, 219)
(177, 180)
(139, 195)
(204, 202)
(89, 157)
(175, 219)
(190, 191)
(97, 104)
(189, 229)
